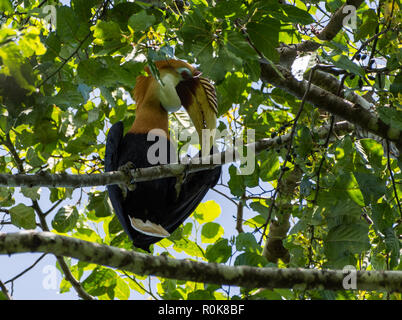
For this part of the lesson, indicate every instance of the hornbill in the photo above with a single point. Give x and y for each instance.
(151, 210)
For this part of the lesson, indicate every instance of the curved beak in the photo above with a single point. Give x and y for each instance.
(198, 97)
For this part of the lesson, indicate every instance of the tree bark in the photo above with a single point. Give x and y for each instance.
(151, 173)
(162, 266)
(328, 101)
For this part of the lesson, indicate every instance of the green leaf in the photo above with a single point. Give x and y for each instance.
(121, 290)
(15, 66)
(264, 36)
(82, 8)
(207, 211)
(304, 142)
(232, 90)
(65, 219)
(214, 68)
(87, 235)
(6, 6)
(344, 241)
(32, 193)
(99, 281)
(396, 86)
(195, 29)
(68, 27)
(220, 252)
(236, 182)
(228, 8)
(297, 15)
(211, 232)
(114, 225)
(200, 295)
(246, 242)
(98, 203)
(23, 216)
(305, 186)
(237, 44)
(373, 152)
(269, 167)
(260, 208)
(344, 63)
(267, 295)
(249, 258)
(392, 246)
(371, 186)
(60, 193)
(189, 247)
(141, 21)
(33, 158)
(6, 196)
(122, 11)
(107, 34)
(95, 72)
(391, 117)
(345, 210)
(30, 43)
(368, 25)
(107, 71)
(383, 216)
(347, 183)
(164, 53)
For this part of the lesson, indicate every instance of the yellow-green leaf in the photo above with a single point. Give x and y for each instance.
(207, 211)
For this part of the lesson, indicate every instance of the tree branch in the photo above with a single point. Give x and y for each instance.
(45, 179)
(26, 270)
(328, 101)
(162, 266)
(5, 291)
(336, 22)
(35, 205)
(288, 53)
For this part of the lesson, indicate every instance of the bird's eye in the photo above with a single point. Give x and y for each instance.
(185, 73)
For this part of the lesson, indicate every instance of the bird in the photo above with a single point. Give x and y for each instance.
(151, 210)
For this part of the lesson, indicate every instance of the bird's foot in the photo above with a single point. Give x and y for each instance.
(149, 228)
(130, 186)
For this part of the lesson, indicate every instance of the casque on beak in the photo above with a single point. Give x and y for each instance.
(198, 97)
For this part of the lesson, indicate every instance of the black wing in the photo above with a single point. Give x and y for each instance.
(113, 142)
(192, 191)
(155, 200)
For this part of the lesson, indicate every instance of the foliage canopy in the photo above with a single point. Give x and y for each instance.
(66, 71)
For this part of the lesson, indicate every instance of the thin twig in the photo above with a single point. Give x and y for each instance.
(65, 61)
(239, 216)
(26, 270)
(299, 112)
(224, 195)
(140, 285)
(60, 259)
(326, 143)
(98, 13)
(325, 146)
(53, 207)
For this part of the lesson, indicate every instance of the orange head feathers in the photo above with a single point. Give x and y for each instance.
(180, 84)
